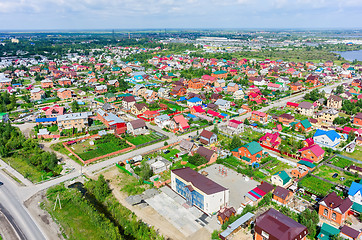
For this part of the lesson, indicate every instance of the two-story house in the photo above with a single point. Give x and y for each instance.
(207, 137)
(334, 102)
(249, 153)
(335, 208)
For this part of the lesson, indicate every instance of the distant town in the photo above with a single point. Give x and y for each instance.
(181, 135)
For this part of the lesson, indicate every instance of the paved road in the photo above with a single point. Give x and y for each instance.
(12, 195)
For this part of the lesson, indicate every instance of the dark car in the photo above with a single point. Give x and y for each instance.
(335, 175)
(1, 183)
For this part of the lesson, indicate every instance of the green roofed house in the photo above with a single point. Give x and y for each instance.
(303, 125)
(249, 153)
(327, 231)
(220, 74)
(281, 179)
(4, 117)
(109, 97)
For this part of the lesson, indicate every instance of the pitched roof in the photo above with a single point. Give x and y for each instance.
(180, 119)
(287, 116)
(306, 124)
(253, 147)
(205, 152)
(350, 232)
(281, 192)
(354, 188)
(201, 182)
(307, 163)
(284, 176)
(194, 100)
(327, 231)
(337, 203)
(331, 134)
(305, 105)
(138, 123)
(206, 134)
(279, 226)
(316, 150)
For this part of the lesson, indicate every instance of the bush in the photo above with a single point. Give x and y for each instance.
(197, 159)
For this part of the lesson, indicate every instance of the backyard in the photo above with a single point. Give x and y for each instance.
(142, 139)
(327, 173)
(342, 162)
(90, 148)
(315, 185)
(357, 154)
(178, 164)
(275, 166)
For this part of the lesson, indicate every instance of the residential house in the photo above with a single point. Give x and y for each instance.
(101, 89)
(54, 111)
(282, 195)
(297, 86)
(355, 193)
(187, 147)
(303, 126)
(312, 152)
(150, 95)
(46, 83)
(64, 93)
(195, 85)
(224, 214)
(281, 179)
(232, 87)
(178, 91)
(208, 154)
(302, 169)
(220, 74)
(239, 94)
(222, 104)
(207, 137)
(334, 102)
(357, 120)
(286, 119)
(4, 81)
(329, 139)
(78, 121)
(179, 123)
(159, 164)
(273, 225)
(350, 233)
(112, 121)
(150, 114)
(220, 83)
(272, 140)
(249, 153)
(64, 82)
(163, 92)
(37, 94)
(162, 120)
(137, 127)
(128, 102)
(327, 116)
(4, 117)
(235, 126)
(254, 196)
(335, 208)
(257, 116)
(306, 108)
(138, 108)
(114, 83)
(327, 231)
(215, 96)
(195, 101)
(199, 191)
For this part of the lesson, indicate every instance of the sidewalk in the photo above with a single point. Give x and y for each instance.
(11, 170)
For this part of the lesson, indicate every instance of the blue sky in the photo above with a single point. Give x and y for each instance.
(118, 14)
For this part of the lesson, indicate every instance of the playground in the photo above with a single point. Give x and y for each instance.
(235, 182)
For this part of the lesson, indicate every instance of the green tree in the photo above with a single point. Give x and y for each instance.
(197, 159)
(75, 106)
(235, 142)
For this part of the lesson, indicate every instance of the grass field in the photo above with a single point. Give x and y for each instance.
(178, 164)
(276, 166)
(327, 173)
(172, 153)
(315, 185)
(342, 163)
(141, 139)
(357, 154)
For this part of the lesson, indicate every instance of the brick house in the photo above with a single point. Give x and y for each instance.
(282, 195)
(286, 119)
(273, 225)
(313, 152)
(178, 91)
(220, 74)
(335, 208)
(207, 137)
(46, 83)
(64, 93)
(302, 169)
(65, 82)
(357, 120)
(257, 116)
(272, 140)
(303, 125)
(195, 84)
(249, 153)
(297, 86)
(208, 154)
(224, 214)
(232, 87)
(37, 94)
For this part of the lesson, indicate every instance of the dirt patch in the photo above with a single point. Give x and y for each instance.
(146, 214)
(43, 218)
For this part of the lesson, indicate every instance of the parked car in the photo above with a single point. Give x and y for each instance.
(342, 179)
(1, 183)
(335, 175)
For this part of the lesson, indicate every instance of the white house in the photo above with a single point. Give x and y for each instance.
(355, 193)
(223, 104)
(235, 126)
(137, 127)
(195, 101)
(281, 179)
(199, 191)
(329, 139)
(162, 120)
(239, 94)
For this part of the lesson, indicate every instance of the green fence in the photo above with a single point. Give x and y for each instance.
(124, 170)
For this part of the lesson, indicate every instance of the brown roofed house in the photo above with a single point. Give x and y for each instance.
(208, 154)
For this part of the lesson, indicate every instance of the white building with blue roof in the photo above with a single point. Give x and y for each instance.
(355, 195)
(330, 139)
(195, 101)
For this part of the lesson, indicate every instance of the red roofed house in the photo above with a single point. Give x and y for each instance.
(224, 214)
(292, 105)
(273, 225)
(207, 137)
(313, 152)
(150, 114)
(179, 123)
(272, 140)
(261, 117)
(54, 111)
(197, 109)
(335, 208)
(235, 126)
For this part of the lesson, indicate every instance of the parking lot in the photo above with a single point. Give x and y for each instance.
(235, 182)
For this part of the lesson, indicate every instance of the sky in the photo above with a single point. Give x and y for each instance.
(187, 14)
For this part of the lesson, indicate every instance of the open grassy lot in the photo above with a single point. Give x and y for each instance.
(315, 185)
(171, 105)
(27, 170)
(141, 139)
(172, 153)
(178, 164)
(342, 163)
(357, 154)
(276, 166)
(327, 173)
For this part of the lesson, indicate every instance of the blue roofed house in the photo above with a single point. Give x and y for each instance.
(355, 194)
(329, 139)
(195, 101)
(281, 179)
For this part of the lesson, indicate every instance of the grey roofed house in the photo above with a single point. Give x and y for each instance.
(73, 116)
(232, 84)
(112, 82)
(186, 145)
(138, 123)
(335, 98)
(305, 105)
(107, 107)
(221, 102)
(205, 152)
(110, 117)
(163, 117)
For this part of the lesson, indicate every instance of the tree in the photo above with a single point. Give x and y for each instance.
(235, 142)
(351, 136)
(197, 159)
(215, 130)
(165, 143)
(246, 121)
(75, 106)
(339, 89)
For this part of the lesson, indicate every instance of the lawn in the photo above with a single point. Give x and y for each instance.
(276, 166)
(86, 151)
(141, 139)
(172, 153)
(178, 164)
(342, 162)
(315, 185)
(327, 173)
(171, 105)
(357, 154)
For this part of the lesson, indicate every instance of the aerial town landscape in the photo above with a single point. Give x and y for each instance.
(180, 133)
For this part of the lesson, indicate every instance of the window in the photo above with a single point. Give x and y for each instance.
(325, 212)
(334, 216)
